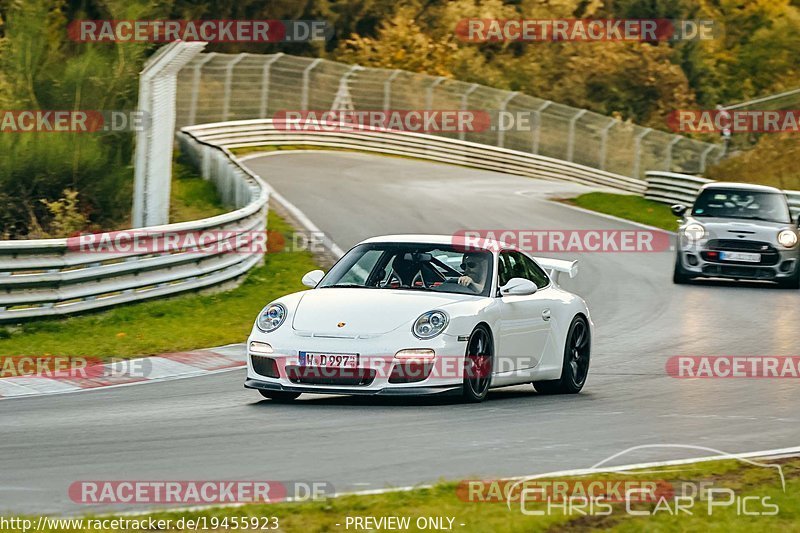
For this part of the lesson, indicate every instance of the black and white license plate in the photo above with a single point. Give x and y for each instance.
(740, 256)
(329, 360)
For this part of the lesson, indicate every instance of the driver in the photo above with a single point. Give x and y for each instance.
(476, 269)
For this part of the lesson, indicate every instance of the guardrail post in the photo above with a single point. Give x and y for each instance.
(429, 92)
(226, 105)
(604, 142)
(501, 134)
(637, 151)
(703, 157)
(537, 131)
(668, 159)
(265, 84)
(571, 140)
(306, 76)
(387, 90)
(198, 68)
(464, 104)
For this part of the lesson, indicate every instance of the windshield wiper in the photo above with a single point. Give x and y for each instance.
(346, 286)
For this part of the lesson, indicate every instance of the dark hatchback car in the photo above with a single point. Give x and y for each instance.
(738, 231)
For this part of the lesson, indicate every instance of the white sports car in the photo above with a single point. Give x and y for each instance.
(420, 314)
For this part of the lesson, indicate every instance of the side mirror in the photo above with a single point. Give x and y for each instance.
(678, 210)
(518, 287)
(312, 278)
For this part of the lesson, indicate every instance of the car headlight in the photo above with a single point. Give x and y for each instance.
(271, 317)
(787, 238)
(694, 231)
(430, 324)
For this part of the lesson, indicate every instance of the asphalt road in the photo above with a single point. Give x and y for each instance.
(212, 428)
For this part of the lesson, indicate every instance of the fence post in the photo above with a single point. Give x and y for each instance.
(387, 90)
(668, 162)
(537, 132)
(226, 105)
(464, 103)
(703, 157)
(604, 142)
(198, 67)
(306, 76)
(637, 149)
(571, 140)
(429, 92)
(265, 84)
(501, 135)
(152, 170)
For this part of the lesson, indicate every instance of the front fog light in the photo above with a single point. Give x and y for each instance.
(430, 324)
(260, 347)
(415, 355)
(787, 238)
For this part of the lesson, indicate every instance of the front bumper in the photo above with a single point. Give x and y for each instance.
(443, 390)
(376, 373)
(702, 260)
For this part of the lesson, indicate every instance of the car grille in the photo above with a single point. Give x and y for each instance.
(734, 271)
(264, 366)
(330, 376)
(769, 255)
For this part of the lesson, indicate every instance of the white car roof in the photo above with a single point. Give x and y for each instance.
(487, 244)
(753, 187)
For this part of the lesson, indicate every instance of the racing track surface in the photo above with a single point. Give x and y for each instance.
(212, 428)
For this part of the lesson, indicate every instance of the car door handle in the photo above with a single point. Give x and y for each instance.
(546, 315)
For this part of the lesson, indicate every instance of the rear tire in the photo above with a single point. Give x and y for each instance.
(478, 365)
(577, 356)
(679, 276)
(279, 396)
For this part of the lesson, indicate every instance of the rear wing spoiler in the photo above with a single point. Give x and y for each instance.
(554, 267)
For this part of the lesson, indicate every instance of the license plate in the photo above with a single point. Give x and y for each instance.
(740, 256)
(329, 360)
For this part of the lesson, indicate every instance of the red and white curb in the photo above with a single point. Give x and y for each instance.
(131, 372)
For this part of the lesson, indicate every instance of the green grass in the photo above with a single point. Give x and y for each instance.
(192, 197)
(442, 501)
(173, 324)
(629, 207)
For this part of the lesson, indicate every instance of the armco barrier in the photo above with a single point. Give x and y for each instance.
(673, 188)
(266, 132)
(48, 277)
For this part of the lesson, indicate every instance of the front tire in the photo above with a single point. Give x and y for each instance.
(679, 276)
(478, 365)
(279, 396)
(792, 282)
(577, 355)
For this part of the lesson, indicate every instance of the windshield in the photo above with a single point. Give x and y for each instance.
(732, 203)
(412, 266)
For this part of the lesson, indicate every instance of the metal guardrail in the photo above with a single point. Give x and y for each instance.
(254, 133)
(49, 277)
(674, 188)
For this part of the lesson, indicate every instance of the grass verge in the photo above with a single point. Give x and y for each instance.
(772, 508)
(629, 207)
(172, 324)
